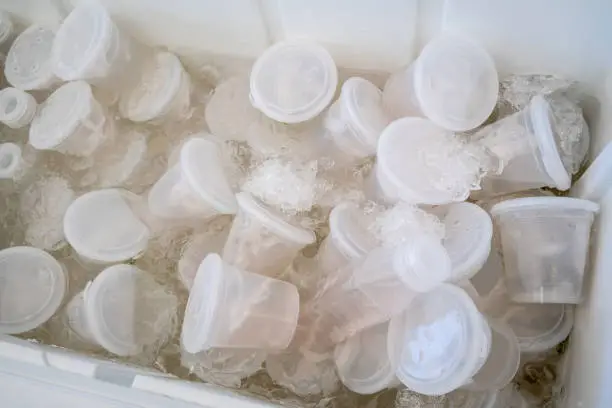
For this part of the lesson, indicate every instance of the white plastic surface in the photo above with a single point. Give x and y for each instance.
(17, 108)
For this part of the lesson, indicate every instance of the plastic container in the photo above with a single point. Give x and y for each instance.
(196, 187)
(260, 241)
(123, 310)
(545, 244)
(442, 342)
(293, 81)
(7, 28)
(355, 121)
(71, 121)
(10, 160)
(32, 287)
(28, 63)
(453, 82)
(363, 361)
(163, 92)
(231, 308)
(526, 146)
(103, 226)
(421, 163)
(17, 108)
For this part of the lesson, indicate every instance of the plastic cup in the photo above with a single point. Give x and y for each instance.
(526, 145)
(71, 121)
(453, 82)
(198, 247)
(7, 29)
(32, 288)
(302, 373)
(124, 311)
(231, 308)
(442, 342)
(260, 241)
(196, 187)
(545, 245)
(103, 226)
(226, 367)
(421, 163)
(10, 160)
(163, 91)
(17, 108)
(293, 81)
(28, 63)
(355, 121)
(363, 361)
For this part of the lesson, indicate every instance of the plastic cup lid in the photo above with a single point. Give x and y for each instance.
(32, 288)
(201, 318)
(363, 362)
(422, 263)
(439, 342)
(200, 163)
(539, 328)
(347, 231)
(543, 203)
(541, 122)
(456, 83)
(59, 116)
(10, 159)
(273, 222)
(293, 81)
(101, 225)
(160, 82)
(28, 63)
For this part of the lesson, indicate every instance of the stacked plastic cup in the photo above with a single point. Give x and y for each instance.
(232, 308)
(453, 82)
(196, 187)
(293, 81)
(105, 226)
(10, 160)
(7, 29)
(32, 287)
(363, 361)
(545, 245)
(17, 108)
(163, 91)
(123, 310)
(71, 121)
(261, 241)
(442, 342)
(28, 63)
(526, 145)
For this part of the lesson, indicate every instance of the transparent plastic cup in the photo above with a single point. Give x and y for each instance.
(32, 288)
(545, 245)
(231, 308)
(163, 92)
(7, 28)
(260, 241)
(442, 342)
(526, 145)
(17, 108)
(71, 121)
(293, 81)
(453, 82)
(421, 163)
(303, 373)
(28, 63)
(363, 361)
(198, 247)
(355, 121)
(10, 160)
(104, 226)
(196, 187)
(124, 311)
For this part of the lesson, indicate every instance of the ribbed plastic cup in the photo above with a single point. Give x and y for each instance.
(17, 108)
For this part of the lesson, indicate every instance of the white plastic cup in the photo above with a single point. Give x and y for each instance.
(71, 121)
(10, 160)
(7, 28)
(453, 83)
(123, 310)
(231, 308)
(28, 63)
(302, 373)
(260, 241)
(526, 145)
(363, 361)
(196, 187)
(32, 288)
(545, 246)
(421, 163)
(442, 342)
(293, 81)
(163, 91)
(17, 108)
(103, 226)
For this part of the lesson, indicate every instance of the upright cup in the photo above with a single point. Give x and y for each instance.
(17, 108)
